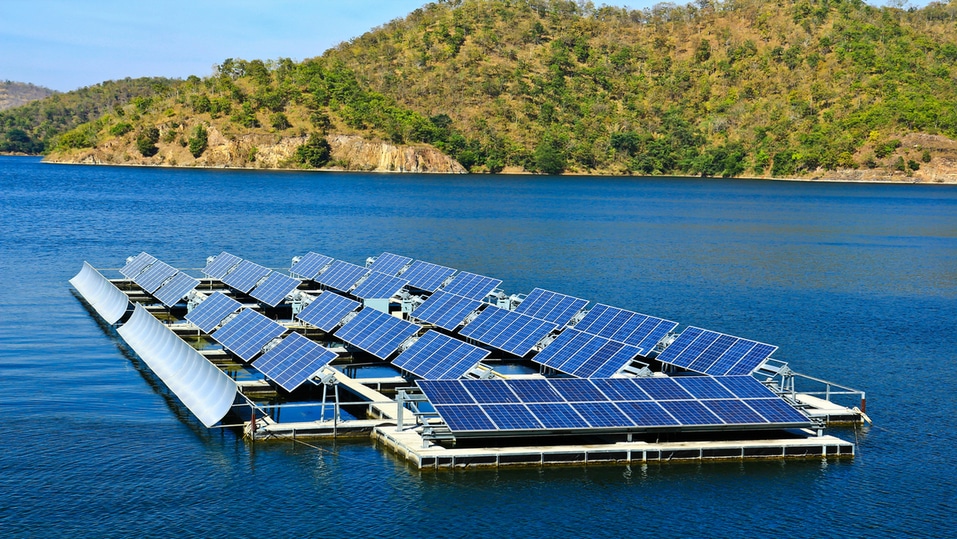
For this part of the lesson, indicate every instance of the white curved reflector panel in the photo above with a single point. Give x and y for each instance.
(207, 391)
(108, 300)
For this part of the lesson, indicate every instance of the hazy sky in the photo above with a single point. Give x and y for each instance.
(67, 44)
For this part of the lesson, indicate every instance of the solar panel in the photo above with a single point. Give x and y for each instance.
(310, 265)
(625, 326)
(445, 310)
(471, 285)
(507, 330)
(137, 264)
(293, 361)
(275, 288)
(620, 389)
(464, 418)
(717, 354)
(577, 390)
(585, 355)
(733, 411)
(703, 387)
(341, 275)
(246, 275)
(557, 416)
(327, 310)
(175, 289)
(379, 285)
(661, 388)
(376, 332)
(534, 391)
(490, 391)
(691, 413)
(647, 414)
(512, 417)
(389, 263)
(777, 411)
(745, 387)
(436, 356)
(154, 276)
(551, 306)
(247, 333)
(221, 265)
(212, 311)
(602, 414)
(445, 392)
(426, 276)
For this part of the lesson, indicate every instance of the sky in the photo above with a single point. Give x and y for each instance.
(68, 44)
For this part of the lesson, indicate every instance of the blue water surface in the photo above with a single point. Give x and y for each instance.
(854, 283)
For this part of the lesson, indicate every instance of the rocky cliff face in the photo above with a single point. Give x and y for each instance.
(268, 151)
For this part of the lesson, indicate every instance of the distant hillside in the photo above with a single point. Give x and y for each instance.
(31, 128)
(15, 94)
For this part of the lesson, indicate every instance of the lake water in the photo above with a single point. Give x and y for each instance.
(854, 283)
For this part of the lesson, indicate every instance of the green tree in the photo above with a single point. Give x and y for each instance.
(199, 141)
(550, 157)
(146, 141)
(315, 152)
(280, 121)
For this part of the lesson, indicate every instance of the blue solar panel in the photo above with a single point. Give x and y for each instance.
(490, 391)
(745, 387)
(446, 311)
(577, 390)
(310, 265)
(436, 356)
(275, 288)
(174, 289)
(137, 264)
(327, 310)
(660, 388)
(445, 392)
(426, 276)
(626, 326)
(551, 306)
(471, 285)
(379, 285)
(557, 416)
(620, 389)
(733, 411)
(586, 355)
(376, 332)
(246, 275)
(691, 413)
(220, 266)
(703, 387)
(602, 414)
(293, 361)
(717, 354)
(507, 330)
(341, 275)
(777, 411)
(535, 391)
(647, 414)
(464, 418)
(389, 263)
(154, 276)
(247, 333)
(511, 416)
(208, 314)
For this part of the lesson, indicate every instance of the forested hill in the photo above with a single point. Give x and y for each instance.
(740, 87)
(15, 94)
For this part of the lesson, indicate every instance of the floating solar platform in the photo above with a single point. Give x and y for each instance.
(551, 306)
(310, 265)
(327, 310)
(176, 289)
(275, 288)
(212, 311)
(379, 285)
(543, 406)
(507, 330)
(586, 356)
(447, 311)
(471, 285)
(154, 276)
(247, 333)
(376, 332)
(625, 326)
(341, 275)
(137, 264)
(390, 264)
(426, 276)
(293, 361)
(435, 356)
(246, 276)
(221, 265)
(717, 354)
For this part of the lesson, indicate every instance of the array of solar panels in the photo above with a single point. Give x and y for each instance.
(471, 406)
(714, 353)
(164, 282)
(263, 284)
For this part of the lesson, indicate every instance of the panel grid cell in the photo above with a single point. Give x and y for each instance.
(426, 276)
(341, 275)
(445, 392)
(745, 387)
(558, 416)
(247, 333)
(275, 288)
(776, 410)
(703, 387)
(734, 411)
(507, 330)
(212, 310)
(246, 275)
(379, 285)
(376, 332)
(220, 266)
(327, 310)
(691, 412)
(602, 414)
(586, 355)
(154, 276)
(491, 391)
(551, 306)
(717, 354)
(436, 356)
(446, 311)
(471, 285)
(511, 417)
(293, 361)
(577, 390)
(660, 388)
(390, 264)
(310, 264)
(175, 289)
(464, 418)
(137, 264)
